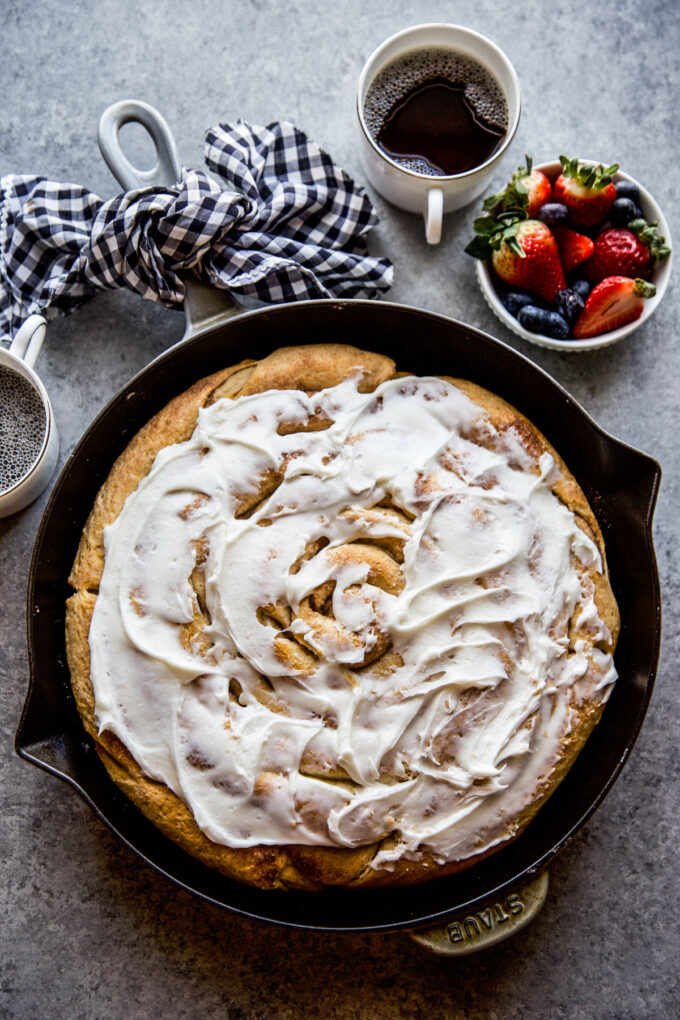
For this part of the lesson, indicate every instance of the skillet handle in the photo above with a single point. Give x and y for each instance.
(468, 933)
(202, 304)
(168, 169)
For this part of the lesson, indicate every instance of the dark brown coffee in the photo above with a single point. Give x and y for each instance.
(437, 112)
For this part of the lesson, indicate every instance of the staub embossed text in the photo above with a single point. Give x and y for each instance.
(474, 925)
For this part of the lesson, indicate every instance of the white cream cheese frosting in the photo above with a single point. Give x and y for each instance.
(393, 633)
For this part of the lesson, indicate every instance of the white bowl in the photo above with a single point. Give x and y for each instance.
(660, 277)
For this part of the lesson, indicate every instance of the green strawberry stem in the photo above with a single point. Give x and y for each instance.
(492, 231)
(515, 195)
(594, 177)
(646, 232)
(644, 289)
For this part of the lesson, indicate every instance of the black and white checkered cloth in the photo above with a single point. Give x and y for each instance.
(283, 224)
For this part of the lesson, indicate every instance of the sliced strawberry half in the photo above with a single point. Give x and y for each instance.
(613, 303)
(574, 248)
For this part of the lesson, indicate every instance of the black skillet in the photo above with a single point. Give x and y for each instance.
(621, 484)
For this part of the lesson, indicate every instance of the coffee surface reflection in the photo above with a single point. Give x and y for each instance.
(436, 112)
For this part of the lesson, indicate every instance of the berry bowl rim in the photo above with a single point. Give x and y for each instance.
(660, 276)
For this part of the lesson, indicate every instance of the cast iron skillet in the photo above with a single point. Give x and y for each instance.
(620, 483)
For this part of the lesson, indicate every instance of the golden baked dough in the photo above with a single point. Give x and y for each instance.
(310, 369)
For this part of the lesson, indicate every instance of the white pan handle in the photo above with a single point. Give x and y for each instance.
(203, 305)
(168, 169)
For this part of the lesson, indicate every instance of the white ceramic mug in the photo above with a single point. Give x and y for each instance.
(434, 195)
(20, 358)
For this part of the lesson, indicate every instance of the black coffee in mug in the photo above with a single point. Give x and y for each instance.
(22, 427)
(436, 112)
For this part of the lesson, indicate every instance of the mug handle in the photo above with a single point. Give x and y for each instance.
(28, 340)
(433, 215)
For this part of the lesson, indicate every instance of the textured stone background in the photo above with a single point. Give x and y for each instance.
(87, 931)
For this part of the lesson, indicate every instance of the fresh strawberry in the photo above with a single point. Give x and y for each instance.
(586, 190)
(574, 248)
(528, 190)
(538, 267)
(614, 302)
(536, 185)
(627, 251)
(523, 252)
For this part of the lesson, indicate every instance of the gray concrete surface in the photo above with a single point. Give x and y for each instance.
(88, 931)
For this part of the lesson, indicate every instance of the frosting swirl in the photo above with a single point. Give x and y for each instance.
(343, 617)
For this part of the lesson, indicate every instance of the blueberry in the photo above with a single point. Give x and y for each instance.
(553, 214)
(569, 304)
(624, 210)
(582, 287)
(626, 189)
(513, 300)
(542, 320)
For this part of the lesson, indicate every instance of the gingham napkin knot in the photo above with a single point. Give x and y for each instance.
(281, 223)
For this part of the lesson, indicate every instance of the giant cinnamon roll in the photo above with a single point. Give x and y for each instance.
(338, 625)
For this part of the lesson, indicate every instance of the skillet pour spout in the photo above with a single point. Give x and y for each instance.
(620, 483)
